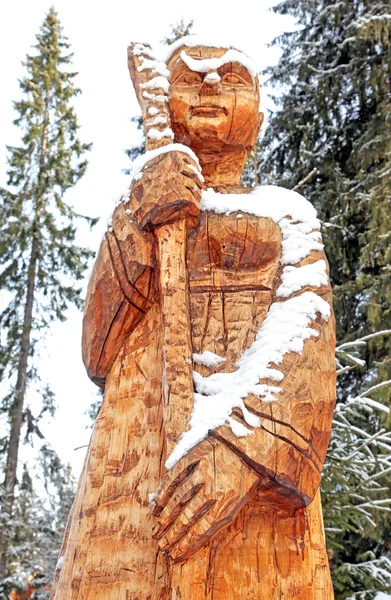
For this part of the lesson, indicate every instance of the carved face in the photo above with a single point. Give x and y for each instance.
(213, 107)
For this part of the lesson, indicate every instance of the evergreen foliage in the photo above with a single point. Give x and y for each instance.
(179, 30)
(355, 490)
(39, 258)
(37, 525)
(334, 115)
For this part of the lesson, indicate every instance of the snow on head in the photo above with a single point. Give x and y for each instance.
(208, 64)
(193, 41)
(285, 329)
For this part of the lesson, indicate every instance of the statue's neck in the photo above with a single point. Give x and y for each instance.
(222, 168)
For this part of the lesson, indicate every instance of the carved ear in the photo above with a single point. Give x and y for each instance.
(257, 128)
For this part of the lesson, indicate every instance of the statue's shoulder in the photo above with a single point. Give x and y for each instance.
(265, 201)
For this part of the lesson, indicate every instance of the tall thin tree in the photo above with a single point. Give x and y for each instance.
(39, 258)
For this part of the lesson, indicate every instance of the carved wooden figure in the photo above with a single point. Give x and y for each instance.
(208, 322)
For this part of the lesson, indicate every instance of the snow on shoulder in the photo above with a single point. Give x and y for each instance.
(208, 359)
(294, 214)
(270, 201)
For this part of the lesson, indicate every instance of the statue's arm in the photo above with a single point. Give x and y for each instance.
(119, 293)
(289, 447)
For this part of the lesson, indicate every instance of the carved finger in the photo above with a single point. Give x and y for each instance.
(194, 190)
(193, 166)
(207, 524)
(175, 505)
(192, 513)
(194, 177)
(173, 479)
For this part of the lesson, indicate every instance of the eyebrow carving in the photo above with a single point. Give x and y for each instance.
(207, 64)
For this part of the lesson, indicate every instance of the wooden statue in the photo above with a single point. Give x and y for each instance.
(208, 323)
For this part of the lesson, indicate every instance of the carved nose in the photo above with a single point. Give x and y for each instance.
(211, 84)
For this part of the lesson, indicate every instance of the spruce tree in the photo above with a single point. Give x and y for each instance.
(39, 259)
(334, 115)
(38, 525)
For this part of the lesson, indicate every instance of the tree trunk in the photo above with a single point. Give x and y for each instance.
(17, 410)
(20, 390)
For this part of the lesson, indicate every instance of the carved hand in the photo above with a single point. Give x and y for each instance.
(200, 495)
(169, 189)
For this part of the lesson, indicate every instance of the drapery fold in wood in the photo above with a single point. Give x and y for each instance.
(204, 485)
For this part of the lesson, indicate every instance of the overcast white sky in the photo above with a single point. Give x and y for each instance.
(99, 34)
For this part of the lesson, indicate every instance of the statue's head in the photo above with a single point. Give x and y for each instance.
(213, 98)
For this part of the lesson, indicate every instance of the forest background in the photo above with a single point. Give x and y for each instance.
(329, 116)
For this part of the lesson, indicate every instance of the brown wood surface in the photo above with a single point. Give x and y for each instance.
(235, 517)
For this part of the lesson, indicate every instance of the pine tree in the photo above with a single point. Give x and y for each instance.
(178, 31)
(39, 258)
(38, 525)
(334, 116)
(355, 494)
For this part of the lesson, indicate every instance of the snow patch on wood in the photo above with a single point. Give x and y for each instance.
(295, 278)
(208, 359)
(142, 160)
(284, 330)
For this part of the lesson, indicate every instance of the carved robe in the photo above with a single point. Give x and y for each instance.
(274, 548)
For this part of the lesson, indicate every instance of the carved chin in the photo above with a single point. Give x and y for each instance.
(211, 133)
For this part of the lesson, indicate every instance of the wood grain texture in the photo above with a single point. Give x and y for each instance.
(236, 517)
(177, 345)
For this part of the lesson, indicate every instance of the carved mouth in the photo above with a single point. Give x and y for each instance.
(208, 111)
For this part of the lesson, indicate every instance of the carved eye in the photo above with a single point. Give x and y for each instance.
(188, 79)
(233, 79)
